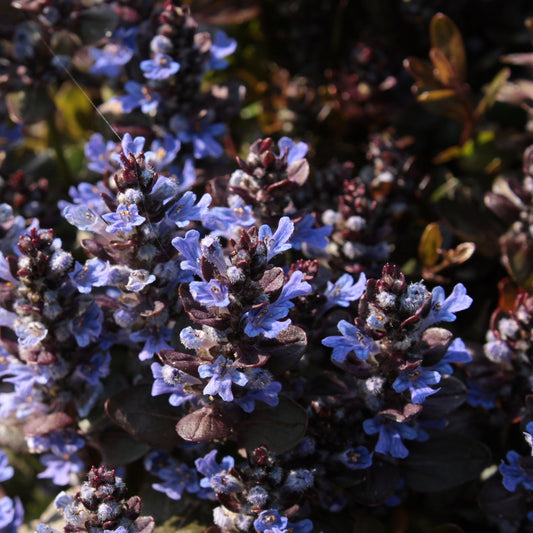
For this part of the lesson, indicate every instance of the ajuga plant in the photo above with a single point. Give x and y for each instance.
(372, 207)
(101, 504)
(249, 345)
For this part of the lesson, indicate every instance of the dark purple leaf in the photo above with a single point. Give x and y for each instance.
(150, 419)
(285, 350)
(381, 481)
(451, 395)
(279, 428)
(207, 423)
(464, 459)
(272, 281)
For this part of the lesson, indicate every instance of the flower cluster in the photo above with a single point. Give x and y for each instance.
(398, 356)
(101, 505)
(242, 303)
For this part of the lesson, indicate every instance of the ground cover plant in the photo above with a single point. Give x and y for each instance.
(266, 266)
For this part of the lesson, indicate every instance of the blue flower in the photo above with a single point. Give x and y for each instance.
(62, 461)
(11, 514)
(177, 477)
(456, 353)
(131, 146)
(299, 480)
(222, 376)
(225, 221)
(110, 59)
(162, 153)
(87, 326)
(6, 471)
(94, 273)
(356, 458)
(161, 67)
(138, 280)
(138, 95)
(391, 434)
(442, 310)
(125, 218)
(216, 475)
(212, 293)
(267, 520)
(305, 233)
(265, 320)
(155, 337)
(278, 242)
(478, 396)
(352, 340)
(293, 288)
(418, 381)
(189, 248)
(201, 135)
(260, 387)
(184, 210)
(99, 153)
(296, 151)
(513, 475)
(172, 381)
(30, 333)
(221, 47)
(343, 291)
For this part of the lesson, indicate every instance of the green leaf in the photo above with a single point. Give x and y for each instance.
(441, 464)
(446, 37)
(75, 108)
(150, 419)
(280, 428)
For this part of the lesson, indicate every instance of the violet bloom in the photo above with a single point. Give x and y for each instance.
(139, 279)
(94, 273)
(160, 67)
(456, 353)
(99, 153)
(63, 459)
(210, 294)
(162, 153)
(125, 218)
(296, 151)
(137, 95)
(201, 135)
(226, 221)
(442, 310)
(222, 376)
(306, 233)
(278, 242)
(6, 471)
(11, 515)
(215, 472)
(177, 477)
(189, 248)
(391, 434)
(131, 146)
(513, 475)
(87, 326)
(221, 47)
(109, 60)
(343, 291)
(418, 381)
(357, 458)
(184, 210)
(352, 340)
(270, 519)
(265, 320)
(156, 337)
(171, 380)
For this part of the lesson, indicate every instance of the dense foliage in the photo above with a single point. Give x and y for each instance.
(266, 266)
